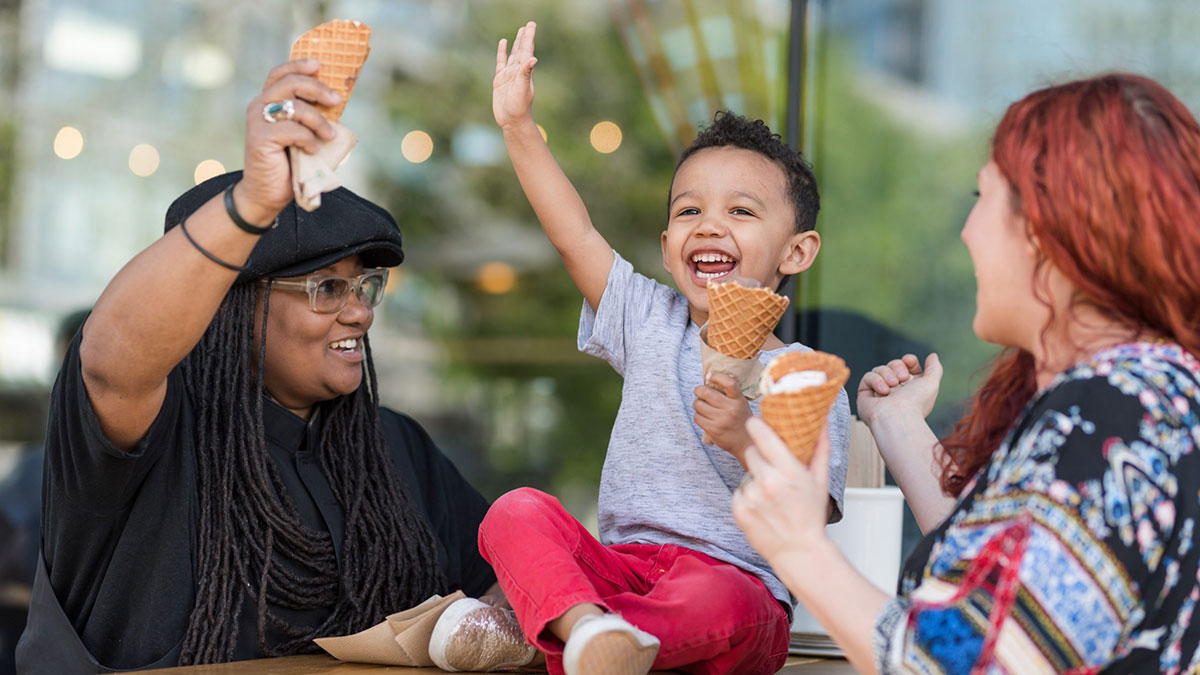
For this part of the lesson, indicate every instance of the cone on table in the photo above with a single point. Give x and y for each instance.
(342, 47)
(798, 416)
(740, 318)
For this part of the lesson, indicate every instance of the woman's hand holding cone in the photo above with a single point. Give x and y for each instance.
(782, 505)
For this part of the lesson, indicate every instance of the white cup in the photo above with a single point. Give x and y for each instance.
(869, 535)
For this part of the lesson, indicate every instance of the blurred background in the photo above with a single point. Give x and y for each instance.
(109, 110)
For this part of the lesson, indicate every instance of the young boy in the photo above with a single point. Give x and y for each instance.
(675, 584)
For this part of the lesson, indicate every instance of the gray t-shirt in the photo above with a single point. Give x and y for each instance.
(660, 484)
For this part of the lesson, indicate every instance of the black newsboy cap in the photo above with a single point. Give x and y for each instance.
(305, 242)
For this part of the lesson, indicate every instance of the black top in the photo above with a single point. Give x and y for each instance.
(119, 533)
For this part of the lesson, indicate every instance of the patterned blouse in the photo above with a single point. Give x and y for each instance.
(1073, 548)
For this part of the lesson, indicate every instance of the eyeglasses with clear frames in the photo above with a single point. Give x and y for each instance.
(328, 293)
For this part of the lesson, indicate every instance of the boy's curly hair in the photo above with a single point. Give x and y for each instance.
(731, 129)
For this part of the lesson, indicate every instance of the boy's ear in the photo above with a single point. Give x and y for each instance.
(666, 263)
(800, 252)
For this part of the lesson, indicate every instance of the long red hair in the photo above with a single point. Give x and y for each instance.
(1107, 173)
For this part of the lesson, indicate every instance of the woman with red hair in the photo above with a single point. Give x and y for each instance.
(1060, 514)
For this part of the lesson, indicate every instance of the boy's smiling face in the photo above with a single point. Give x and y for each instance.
(730, 216)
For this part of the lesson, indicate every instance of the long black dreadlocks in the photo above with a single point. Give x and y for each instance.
(248, 524)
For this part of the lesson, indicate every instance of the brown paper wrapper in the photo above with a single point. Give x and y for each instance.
(400, 640)
(746, 372)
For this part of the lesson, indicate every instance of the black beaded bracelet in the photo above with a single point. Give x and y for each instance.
(210, 256)
(237, 219)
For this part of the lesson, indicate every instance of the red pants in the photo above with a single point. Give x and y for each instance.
(711, 617)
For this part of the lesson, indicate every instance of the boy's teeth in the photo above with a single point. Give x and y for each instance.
(709, 275)
(344, 344)
(711, 257)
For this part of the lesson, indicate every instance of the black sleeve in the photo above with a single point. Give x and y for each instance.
(453, 506)
(107, 527)
(82, 465)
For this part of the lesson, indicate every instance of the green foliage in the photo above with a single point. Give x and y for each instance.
(543, 410)
(894, 198)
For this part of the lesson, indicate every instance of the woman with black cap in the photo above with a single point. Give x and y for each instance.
(221, 482)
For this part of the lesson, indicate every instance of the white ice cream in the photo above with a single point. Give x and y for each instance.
(796, 381)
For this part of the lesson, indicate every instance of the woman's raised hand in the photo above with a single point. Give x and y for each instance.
(902, 387)
(512, 89)
(266, 185)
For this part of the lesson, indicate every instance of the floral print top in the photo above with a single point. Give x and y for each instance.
(1073, 549)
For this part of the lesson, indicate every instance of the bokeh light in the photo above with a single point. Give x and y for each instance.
(68, 143)
(606, 137)
(209, 168)
(496, 278)
(143, 160)
(417, 146)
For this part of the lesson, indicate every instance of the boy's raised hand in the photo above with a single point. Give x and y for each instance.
(512, 88)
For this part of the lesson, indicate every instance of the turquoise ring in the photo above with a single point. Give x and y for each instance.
(279, 110)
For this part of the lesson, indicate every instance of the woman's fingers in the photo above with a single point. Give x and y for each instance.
(889, 376)
(771, 447)
(304, 115)
(874, 382)
(933, 366)
(756, 466)
(301, 66)
(283, 134)
(303, 87)
(900, 368)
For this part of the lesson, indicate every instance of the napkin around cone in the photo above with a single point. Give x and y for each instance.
(314, 174)
(745, 372)
(400, 640)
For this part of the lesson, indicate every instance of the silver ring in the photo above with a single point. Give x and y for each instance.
(279, 110)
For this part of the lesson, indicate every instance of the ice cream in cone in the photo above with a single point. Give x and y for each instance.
(741, 317)
(798, 389)
(342, 47)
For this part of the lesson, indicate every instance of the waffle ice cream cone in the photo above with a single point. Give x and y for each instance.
(741, 318)
(341, 46)
(796, 407)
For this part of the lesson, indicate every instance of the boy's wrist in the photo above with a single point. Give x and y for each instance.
(520, 127)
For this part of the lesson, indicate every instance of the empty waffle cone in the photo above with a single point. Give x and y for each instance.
(342, 47)
(741, 318)
(798, 416)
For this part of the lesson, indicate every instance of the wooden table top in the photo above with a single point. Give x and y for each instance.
(320, 664)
